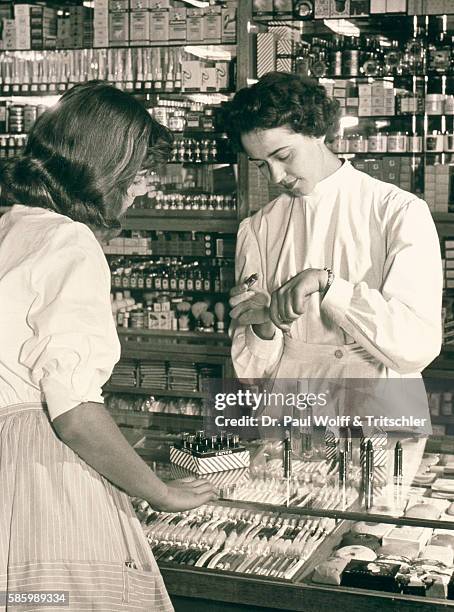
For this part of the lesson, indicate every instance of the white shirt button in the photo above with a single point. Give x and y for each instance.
(339, 354)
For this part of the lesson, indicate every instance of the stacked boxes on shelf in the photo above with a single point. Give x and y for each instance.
(396, 170)
(448, 265)
(116, 23)
(438, 187)
(363, 99)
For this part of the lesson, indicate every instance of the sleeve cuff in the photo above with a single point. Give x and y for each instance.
(337, 300)
(59, 400)
(262, 348)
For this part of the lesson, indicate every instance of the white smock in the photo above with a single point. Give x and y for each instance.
(63, 526)
(381, 317)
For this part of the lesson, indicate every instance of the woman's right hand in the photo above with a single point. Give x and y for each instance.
(185, 494)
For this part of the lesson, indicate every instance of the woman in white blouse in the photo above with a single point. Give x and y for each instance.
(66, 522)
(349, 269)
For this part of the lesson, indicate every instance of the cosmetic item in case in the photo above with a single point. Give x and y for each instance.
(203, 456)
(374, 575)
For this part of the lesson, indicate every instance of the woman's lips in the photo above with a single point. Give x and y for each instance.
(289, 184)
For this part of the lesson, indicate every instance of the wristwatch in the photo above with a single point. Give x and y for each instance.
(329, 282)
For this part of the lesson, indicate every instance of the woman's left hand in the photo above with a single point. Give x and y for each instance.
(288, 302)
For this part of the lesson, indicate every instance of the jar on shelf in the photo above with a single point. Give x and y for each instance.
(357, 144)
(434, 142)
(340, 145)
(377, 143)
(397, 142)
(414, 144)
(434, 104)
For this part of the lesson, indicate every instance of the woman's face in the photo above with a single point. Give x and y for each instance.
(139, 187)
(293, 160)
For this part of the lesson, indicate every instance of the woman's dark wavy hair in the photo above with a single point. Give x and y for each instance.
(282, 99)
(83, 153)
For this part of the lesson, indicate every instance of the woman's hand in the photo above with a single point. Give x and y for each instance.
(249, 306)
(289, 301)
(185, 494)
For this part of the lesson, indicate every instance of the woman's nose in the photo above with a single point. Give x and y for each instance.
(275, 172)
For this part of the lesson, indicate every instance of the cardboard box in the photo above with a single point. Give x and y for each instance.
(212, 28)
(177, 25)
(228, 24)
(194, 25)
(377, 6)
(396, 6)
(322, 9)
(139, 26)
(209, 79)
(262, 7)
(222, 69)
(119, 28)
(191, 75)
(159, 25)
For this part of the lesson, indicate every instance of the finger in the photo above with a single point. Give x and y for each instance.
(236, 312)
(298, 304)
(207, 497)
(201, 486)
(187, 479)
(240, 297)
(254, 316)
(237, 289)
(274, 311)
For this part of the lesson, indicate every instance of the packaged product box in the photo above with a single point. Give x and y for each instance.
(434, 7)
(23, 32)
(228, 23)
(209, 79)
(159, 25)
(377, 6)
(194, 25)
(191, 75)
(415, 7)
(139, 27)
(119, 28)
(222, 71)
(266, 53)
(177, 25)
(322, 8)
(212, 25)
(9, 34)
(396, 6)
(101, 24)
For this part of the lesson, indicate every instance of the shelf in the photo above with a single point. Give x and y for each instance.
(190, 215)
(154, 45)
(152, 391)
(20, 92)
(138, 219)
(178, 292)
(164, 333)
(376, 154)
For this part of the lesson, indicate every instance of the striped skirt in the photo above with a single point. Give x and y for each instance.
(65, 528)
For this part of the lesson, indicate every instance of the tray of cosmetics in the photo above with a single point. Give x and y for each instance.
(207, 455)
(393, 558)
(234, 539)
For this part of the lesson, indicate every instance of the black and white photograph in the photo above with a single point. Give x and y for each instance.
(226, 305)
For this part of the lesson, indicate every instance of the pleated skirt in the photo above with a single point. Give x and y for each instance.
(64, 528)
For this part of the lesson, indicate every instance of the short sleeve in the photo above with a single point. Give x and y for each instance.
(74, 344)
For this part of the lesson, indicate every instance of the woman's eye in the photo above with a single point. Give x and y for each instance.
(283, 157)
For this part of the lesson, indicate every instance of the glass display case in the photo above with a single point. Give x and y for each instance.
(309, 528)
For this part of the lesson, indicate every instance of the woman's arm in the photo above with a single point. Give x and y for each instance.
(400, 323)
(89, 430)
(256, 348)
